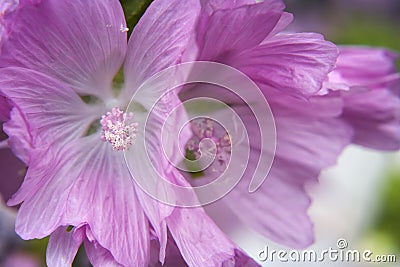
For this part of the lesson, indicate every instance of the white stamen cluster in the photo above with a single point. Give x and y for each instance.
(117, 130)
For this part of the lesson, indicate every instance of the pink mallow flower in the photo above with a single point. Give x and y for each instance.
(58, 60)
(313, 125)
(368, 81)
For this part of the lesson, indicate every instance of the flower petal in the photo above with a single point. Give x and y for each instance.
(6, 7)
(278, 209)
(240, 259)
(151, 155)
(19, 139)
(173, 256)
(310, 136)
(372, 104)
(367, 67)
(212, 5)
(199, 240)
(85, 49)
(63, 246)
(283, 22)
(375, 117)
(156, 213)
(159, 40)
(227, 31)
(293, 63)
(51, 111)
(87, 180)
(99, 256)
(197, 237)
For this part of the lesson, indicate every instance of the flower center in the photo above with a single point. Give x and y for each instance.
(118, 130)
(208, 130)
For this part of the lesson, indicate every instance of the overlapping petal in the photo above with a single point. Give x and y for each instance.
(19, 139)
(209, 6)
(244, 27)
(148, 159)
(293, 63)
(159, 40)
(371, 101)
(100, 256)
(199, 240)
(367, 67)
(50, 112)
(84, 50)
(310, 136)
(87, 180)
(375, 116)
(283, 65)
(63, 246)
(6, 7)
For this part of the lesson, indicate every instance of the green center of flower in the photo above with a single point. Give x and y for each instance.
(210, 137)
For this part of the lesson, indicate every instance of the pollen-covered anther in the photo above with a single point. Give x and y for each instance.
(207, 129)
(118, 130)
